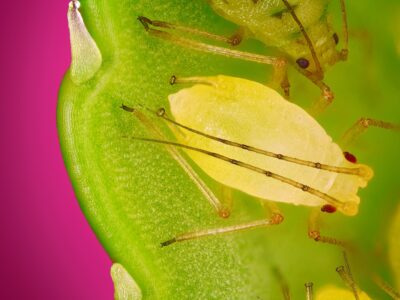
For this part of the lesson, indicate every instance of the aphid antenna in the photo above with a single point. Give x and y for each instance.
(286, 180)
(320, 73)
(221, 210)
(359, 171)
(309, 291)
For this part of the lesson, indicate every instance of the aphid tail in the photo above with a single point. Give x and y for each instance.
(366, 173)
(346, 188)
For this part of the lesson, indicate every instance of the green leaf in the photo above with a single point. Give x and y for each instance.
(135, 195)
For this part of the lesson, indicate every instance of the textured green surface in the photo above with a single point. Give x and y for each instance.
(135, 195)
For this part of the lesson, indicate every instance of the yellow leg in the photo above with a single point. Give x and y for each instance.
(361, 126)
(220, 209)
(283, 283)
(234, 40)
(389, 290)
(309, 291)
(275, 219)
(315, 234)
(324, 100)
(278, 63)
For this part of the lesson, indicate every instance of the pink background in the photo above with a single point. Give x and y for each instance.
(48, 250)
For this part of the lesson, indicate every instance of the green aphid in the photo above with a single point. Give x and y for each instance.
(299, 30)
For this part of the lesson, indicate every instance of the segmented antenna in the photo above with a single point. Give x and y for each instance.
(360, 171)
(308, 40)
(267, 173)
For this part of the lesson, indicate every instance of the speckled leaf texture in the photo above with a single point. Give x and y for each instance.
(135, 195)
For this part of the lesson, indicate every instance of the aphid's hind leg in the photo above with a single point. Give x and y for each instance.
(315, 234)
(275, 219)
(234, 40)
(282, 283)
(361, 126)
(347, 276)
(278, 63)
(219, 207)
(388, 289)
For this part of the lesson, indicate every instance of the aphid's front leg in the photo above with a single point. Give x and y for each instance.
(361, 126)
(280, 77)
(278, 63)
(324, 100)
(314, 231)
(275, 218)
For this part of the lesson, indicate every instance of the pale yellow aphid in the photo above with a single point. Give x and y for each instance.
(250, 113)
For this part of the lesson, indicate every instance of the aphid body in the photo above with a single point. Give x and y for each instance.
(250, 113)
(271, 22)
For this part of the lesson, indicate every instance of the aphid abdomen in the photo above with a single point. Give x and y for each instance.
(248, 112)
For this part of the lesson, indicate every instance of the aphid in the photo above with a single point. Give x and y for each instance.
(299, 30)
(271, 149)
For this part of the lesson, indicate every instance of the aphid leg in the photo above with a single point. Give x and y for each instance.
(324, 100)
(347, 280)
(346, 275)
(273, 211)
(280, 77)
(344, 53)
(220, 209)
(194, 79)
(361, 126)
(273, 220)
(234, 40)
(226, 194)
(386, 287)
(278, 63)
(309, 291)
(314, 230)
(282, 283)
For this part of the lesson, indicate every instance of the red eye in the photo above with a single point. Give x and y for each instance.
(327, 208)
(350, 157)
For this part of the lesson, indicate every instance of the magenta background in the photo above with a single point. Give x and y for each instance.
(48, 250)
